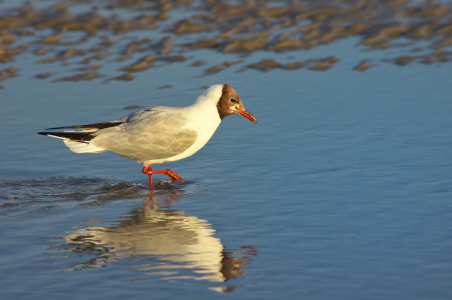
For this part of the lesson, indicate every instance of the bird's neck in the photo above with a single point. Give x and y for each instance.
(205, 111)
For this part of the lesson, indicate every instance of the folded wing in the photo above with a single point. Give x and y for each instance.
(156, 134)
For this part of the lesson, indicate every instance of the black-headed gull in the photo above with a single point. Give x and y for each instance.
(158, 134)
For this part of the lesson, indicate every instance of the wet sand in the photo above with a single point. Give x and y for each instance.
(104, 32)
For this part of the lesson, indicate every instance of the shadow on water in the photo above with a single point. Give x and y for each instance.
(154, 239)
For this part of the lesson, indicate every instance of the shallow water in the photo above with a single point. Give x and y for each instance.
(341, 190)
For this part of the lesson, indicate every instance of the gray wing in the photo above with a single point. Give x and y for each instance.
(150, 134)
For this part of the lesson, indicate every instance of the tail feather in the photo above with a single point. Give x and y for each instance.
(77, 142)
(81, 147)
(91, 126)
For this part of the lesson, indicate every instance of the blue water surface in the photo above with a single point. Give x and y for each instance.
(342, 190)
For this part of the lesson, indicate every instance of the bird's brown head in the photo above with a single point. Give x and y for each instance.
(230, 103)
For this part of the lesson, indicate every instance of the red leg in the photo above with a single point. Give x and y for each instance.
(148, 171)
(172, 175)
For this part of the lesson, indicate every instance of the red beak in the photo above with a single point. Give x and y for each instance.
(246, 114)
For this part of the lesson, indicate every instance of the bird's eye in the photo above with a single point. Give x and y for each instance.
(233, 100)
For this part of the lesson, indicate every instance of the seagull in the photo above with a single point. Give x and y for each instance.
(158, 134)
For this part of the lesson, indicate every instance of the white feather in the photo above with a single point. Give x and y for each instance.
(80, 147)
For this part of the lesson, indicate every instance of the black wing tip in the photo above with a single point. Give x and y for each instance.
(80, 136)
(49, 133)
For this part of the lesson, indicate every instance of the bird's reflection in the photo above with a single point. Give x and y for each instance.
(164, 242)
